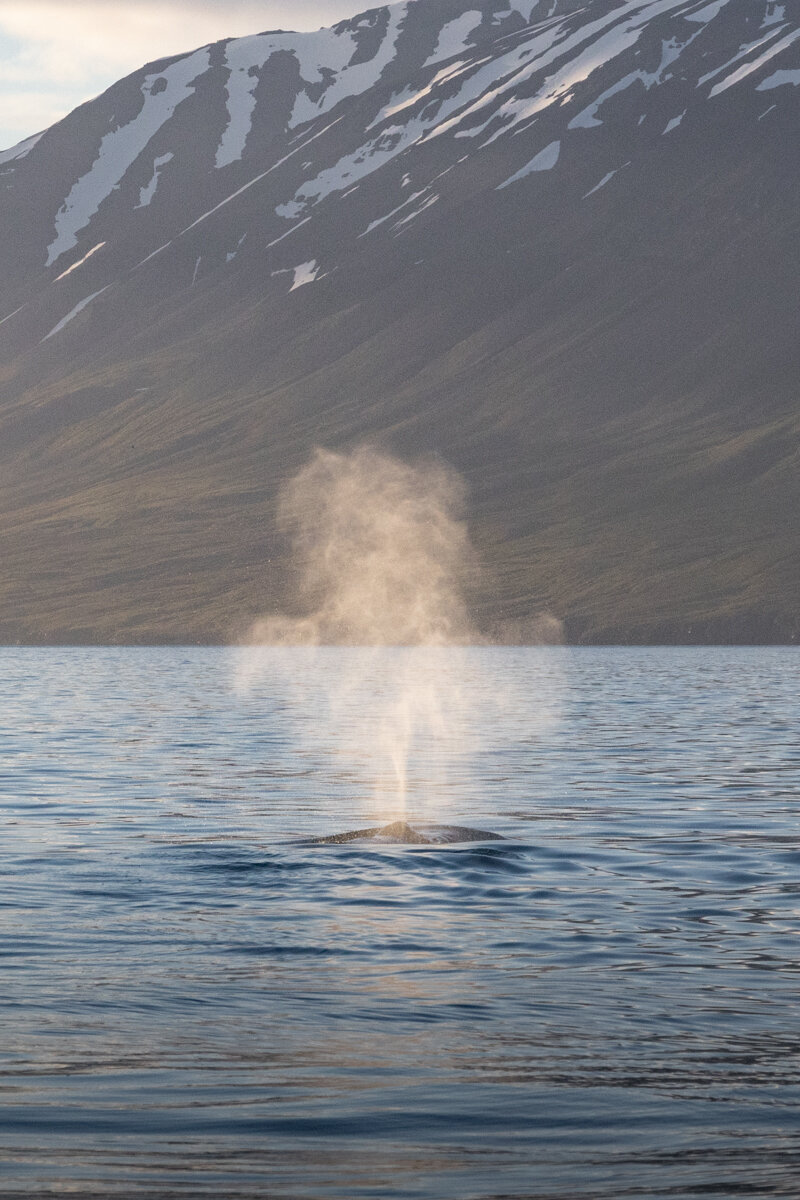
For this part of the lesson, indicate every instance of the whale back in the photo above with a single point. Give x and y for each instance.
(417, 833)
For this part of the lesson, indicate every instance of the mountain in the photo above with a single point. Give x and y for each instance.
(555, 243)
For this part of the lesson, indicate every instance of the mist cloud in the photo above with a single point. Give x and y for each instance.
(381, 560)
(381, 554)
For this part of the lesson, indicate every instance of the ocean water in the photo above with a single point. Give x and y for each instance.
(194, 1002)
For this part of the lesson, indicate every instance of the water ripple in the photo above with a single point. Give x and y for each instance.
(604, 1005)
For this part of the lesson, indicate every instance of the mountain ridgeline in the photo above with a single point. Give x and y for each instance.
(554, 244)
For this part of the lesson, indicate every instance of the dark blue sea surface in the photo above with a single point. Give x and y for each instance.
(194, 1002)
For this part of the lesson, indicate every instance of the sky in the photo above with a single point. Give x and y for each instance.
(54, 54)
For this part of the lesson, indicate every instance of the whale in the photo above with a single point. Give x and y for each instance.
(405, 833)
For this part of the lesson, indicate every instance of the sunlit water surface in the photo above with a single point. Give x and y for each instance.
(606, 1005)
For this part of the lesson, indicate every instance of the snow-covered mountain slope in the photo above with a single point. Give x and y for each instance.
(581, 207)
(313, 119)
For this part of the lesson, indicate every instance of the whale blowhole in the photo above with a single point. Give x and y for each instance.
(409, 833)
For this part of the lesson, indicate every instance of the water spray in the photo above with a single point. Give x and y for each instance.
(382, 556)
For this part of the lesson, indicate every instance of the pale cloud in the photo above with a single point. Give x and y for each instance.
(54, 54)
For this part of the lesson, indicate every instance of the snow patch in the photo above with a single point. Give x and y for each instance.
(741, 53)
(610, 175)
(393, 140)
(305, 273)
(382, 220)
(352, 167)
(674, 123)
(545, 160)
(288, 233)
(292, 209)
(482, 90)
(587, 118)
(777, 80)
(149, 190)
(526, 10)
(597, 43)
(323, 58)
(707, 13)
(670, 52)
(120, 148)
(412, 96)
(21, 150)
(454, 36)
(257, 178)
(79, 307)
(160, 250)
(14, 313)
(243, 58)
(231, 255)
(401, 225)
(320, 54)
(80, 262)
(749, 68)
(774, 14)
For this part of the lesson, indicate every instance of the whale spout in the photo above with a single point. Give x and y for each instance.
(418, 833)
